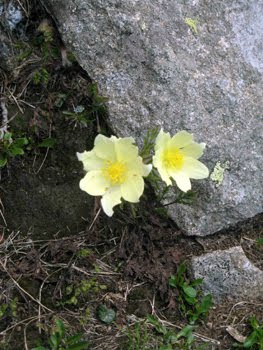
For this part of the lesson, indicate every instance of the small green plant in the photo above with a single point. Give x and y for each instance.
(47, 143)
(9, 309)
(138, 337)
(60, 341)
(255, 339)
(148, 144)
(79, 117)
(192, 303)
(97, 102)
(25, 51)
(183, 340)
(41, 76)
(13, 307)
(186, 198)
(46, 42)
(3, 309)
(105, 314)
(84, 253)
(82, 289)
(11, 147)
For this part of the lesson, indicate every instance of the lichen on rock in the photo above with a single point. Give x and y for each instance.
(217, 174)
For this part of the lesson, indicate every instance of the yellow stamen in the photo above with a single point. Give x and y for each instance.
(115, 172)
(173, 159)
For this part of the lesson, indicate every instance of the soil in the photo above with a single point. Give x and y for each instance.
(54, 236)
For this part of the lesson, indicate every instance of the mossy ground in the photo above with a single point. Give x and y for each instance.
(61, 257)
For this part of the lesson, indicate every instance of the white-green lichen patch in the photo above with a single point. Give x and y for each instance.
(217, 174)
(192, 23)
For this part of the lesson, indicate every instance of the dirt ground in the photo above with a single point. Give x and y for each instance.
(60, 256)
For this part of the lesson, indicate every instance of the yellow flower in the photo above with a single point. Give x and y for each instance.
(176, 157)
(114, 171)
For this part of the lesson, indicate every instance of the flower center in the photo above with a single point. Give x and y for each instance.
(173, 159)
(115, 172)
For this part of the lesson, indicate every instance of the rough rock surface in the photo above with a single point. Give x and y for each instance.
(228, 274)
(11, 14)
(158, 71)
(11, 17)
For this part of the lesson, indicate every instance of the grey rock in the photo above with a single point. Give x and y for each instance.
(11, 16)
(157, 71)
(6, 52)
(228, 274)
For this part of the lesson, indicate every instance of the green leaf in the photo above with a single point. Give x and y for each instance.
(47, 143)
(173, 281)
(149, 142)
(190, 300)
(105, 314)
(205, 304)
(260, 240)
(20, 142)
(74, 339)
(80, 346)
(157, 325)
(186, 198)
(251, 340)
(197, 282)
(254, 322)
(185, 332)
(60, 328)
(170, 338)
(54, 341)
(40, 348)
(3, 309)
(3, 161)
(190, 338)
(68, 113)
(61, 98)
(189, 291)
(16, 151)
(180, 274)
(7, 136)
(166, 347)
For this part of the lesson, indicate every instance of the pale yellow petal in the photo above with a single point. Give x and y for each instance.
(162, 139)
(164, 176)
(147, 168)
(104, 147)
(125, 149)
(90, 160)
(182, 181)
(195, 169)
(194, 150)
(132, 188)
(158, 163)
(137, 166)
(181, 139)
(110, 199)
(94, 183)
